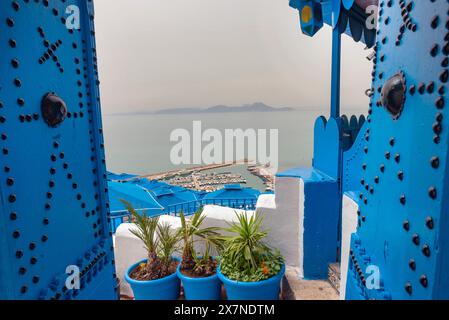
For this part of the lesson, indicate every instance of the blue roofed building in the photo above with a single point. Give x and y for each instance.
(174, 199)
(140, 198)
(151, 185)
(121, 176)
(233, 196)
(156, 197)
(177, 199)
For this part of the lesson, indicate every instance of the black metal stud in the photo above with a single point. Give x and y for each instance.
(412, 264)
(434, 50)
(444, 76)
(426, 250)
(12, 198)
(10, 22)
(435, 162)
(408, 288)
(435, 21)
(423, 280)
(415, 239)
(406, 225)
(440, 102)
(436, 139)
(54, 110)
(433, 192)
(393, 95)
(429, 223)
(421, 88)
(445, 62)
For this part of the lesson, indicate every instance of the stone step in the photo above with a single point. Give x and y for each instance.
(295, 288)
(334, 276)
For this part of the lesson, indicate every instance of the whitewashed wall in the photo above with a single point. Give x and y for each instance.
(284, 217)
(349, 226)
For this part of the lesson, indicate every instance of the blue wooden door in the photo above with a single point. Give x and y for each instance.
(54, 207)
(402, 238)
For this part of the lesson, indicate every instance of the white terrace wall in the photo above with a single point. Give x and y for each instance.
(349, 226)
(303, 220)
(284, 219)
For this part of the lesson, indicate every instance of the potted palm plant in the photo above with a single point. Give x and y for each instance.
(197, 271)
(249, 268)
(154, 278)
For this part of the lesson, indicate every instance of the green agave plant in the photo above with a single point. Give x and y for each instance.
(246, 257)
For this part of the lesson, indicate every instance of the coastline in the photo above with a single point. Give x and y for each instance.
(204, 178)
(187, 171)
(265, 175)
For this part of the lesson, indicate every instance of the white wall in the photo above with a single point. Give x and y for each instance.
(284, 216)
(349, 226)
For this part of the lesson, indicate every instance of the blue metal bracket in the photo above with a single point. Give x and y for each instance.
(336, 74)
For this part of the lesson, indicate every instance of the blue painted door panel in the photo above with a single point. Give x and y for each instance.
(54, 210)
(403, 222)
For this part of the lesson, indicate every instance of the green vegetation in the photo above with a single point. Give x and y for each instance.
(160, 243)
(202, 265)
(245, 256)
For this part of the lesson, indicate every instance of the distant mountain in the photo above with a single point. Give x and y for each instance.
(255, 107)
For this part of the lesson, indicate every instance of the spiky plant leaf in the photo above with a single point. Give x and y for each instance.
(192, 232)
(146, 228)
(246, 257)
(168, 242)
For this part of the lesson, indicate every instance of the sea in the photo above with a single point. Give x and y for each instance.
(140, 143)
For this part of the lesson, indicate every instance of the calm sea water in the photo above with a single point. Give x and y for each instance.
(140, 144)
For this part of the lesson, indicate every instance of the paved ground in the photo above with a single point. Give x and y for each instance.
(295, 288)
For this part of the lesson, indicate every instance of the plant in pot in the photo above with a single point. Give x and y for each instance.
(154, 278)
(249, 268)
(197, 271)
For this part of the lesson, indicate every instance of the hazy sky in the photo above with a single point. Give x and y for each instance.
(157, 54)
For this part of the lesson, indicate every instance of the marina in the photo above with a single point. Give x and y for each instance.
(186, 171)
(209, 178)
(208, 182)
